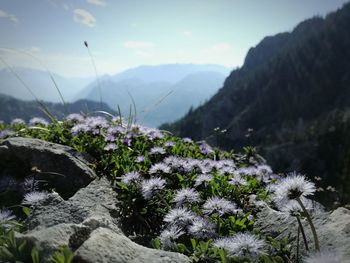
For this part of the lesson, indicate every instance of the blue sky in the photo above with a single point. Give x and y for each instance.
(127, 33)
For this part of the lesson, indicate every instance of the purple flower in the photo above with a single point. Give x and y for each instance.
(202, 228)
(159, 168)
(205, 148)
(110, 147)
(181, 217)
(132, 178)
(18, 121)
(242, 245)
(6, 215)
(38, 121)
(6, 133)
(169, 144)
(152, 186)
(186, 195)
(79, 128)
(33, 198)
(187, 140)
(140, 159)
(75, 117)
(203, 179)
(169, 235)
(157, 150)
(219, 205)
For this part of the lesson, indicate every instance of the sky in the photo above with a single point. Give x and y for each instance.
(127, 33)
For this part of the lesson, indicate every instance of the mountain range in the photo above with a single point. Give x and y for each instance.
(11, 108)
(291, 100)
(161, 93)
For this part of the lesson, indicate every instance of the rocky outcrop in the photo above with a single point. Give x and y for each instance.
(62, 168)
(86, 220)
(88, 224)
(333, 229)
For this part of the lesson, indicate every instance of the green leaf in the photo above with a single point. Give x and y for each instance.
(35, 255)
(278, 259)
(194, 243)
(222, 255)
(26, 210)
(266, 259)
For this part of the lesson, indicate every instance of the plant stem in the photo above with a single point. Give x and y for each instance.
(303, 233)
(163, 200)
(317, 245)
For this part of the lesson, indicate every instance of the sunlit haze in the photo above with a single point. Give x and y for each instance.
(129, 33)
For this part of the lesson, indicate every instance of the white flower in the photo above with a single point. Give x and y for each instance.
(168, 236)
(203, 178)
(159, 167)
(219, 205)
(133, 177)
(34, 197)
(6, 215)
(242, 245)
(152, 186)
(181, 217)
(186, 195)
(202, 228)
(292, 187)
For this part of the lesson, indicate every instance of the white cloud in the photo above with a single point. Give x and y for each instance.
(143, 54)
(84, 17)
(138, 44)
(187, 33)
(12, 17)
(97, 2)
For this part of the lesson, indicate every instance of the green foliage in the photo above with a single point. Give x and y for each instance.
(290, 100)
(142, 218)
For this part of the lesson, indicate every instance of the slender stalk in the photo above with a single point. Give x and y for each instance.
(317, 245)
(65, 105)
(298, 237)
(163, 200)
(95, 68)
(303, 233)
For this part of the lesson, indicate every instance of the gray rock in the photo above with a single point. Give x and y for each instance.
(106, 246)
(333, 229)
(61, 167)
(87, 223)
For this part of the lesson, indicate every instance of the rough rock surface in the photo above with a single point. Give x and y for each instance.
(333, 229)
(87, 224)
(60, 166)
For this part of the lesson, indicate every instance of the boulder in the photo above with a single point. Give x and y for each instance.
(88, 223)
(60, 167)
(333, 229)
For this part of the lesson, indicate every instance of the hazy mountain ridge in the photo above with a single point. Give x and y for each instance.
(161, 93)
(11, 108)
(40, 83)
(293, 91)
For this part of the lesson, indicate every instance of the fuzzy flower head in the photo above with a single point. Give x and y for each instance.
(159, 168)
(132, 178)
(169, 235)
(203, 179)
(186, 195)
(157, 151)
(152, 186)
(292, 187)
(219, 205)
(242, 245)
(18, 121)
(33, 198)
(202, 228)
(38, 121)
(110, 147)
(75, 117)
(6, 215)
(181, 217)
